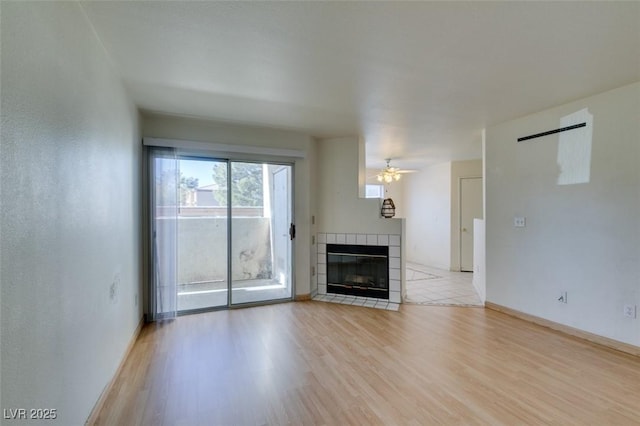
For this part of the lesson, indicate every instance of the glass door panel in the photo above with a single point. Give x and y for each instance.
(202, 234)
(164, 233)
(260, 240)
(220, 233)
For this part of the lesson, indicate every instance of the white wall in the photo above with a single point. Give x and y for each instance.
(431, 204)
(339, 207)
(70, 223)
(479, 259)
(581, 238)
(174, 127)
(313, 208)
(427, 207)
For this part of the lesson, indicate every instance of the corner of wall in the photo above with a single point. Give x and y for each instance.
(362, 168)
(340, 209)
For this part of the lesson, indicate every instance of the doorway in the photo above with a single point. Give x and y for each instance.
(470, 208)
(219, 233)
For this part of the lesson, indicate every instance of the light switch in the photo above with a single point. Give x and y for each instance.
(519, 222)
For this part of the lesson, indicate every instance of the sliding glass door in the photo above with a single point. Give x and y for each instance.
(164, 233)
(202, 234)
(260, 238)
(220, 233)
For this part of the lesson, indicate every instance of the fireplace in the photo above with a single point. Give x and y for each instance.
(390, 242)
(358, 270)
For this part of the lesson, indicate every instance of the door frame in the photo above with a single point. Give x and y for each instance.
(276, 253)
(259, 160)
(149, 228)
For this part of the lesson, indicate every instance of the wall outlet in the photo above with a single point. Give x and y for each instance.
(519, 222)
(563, 297)
(313, 271)
(629, 311)
(136, 299)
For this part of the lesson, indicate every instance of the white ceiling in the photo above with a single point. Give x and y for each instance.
(418, 80)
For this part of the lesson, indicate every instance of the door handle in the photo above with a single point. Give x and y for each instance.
(292, 231)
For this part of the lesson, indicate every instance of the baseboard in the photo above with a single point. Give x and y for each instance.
(584, 335)
(93, 417)
(302, 297)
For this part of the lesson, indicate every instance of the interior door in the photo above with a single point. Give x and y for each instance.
(470, 208)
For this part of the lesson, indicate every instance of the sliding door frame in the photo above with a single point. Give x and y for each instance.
(268, 161)
(149, 228)
(150, 156)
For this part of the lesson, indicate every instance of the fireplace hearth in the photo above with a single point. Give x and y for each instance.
(358, 270)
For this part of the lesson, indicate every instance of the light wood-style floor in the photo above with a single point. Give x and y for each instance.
(330, 364)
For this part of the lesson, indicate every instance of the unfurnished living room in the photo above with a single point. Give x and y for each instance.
(331, 213)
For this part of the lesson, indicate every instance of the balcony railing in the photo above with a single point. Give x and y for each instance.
(205, 211)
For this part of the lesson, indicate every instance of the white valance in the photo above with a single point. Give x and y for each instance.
(223, 148)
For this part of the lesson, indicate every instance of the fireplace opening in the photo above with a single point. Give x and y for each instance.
(358, 270)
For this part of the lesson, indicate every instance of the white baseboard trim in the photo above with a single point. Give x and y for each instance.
(93, 417)
(584, 335)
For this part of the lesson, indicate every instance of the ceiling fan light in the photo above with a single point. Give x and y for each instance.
(388, 174)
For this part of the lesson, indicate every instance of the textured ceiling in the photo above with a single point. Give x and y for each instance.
(418, 80)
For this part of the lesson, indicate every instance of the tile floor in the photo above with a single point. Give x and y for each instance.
(432, 286)
(425, 286)
(367, 302)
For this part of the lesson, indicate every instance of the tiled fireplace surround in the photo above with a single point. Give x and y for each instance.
(390, 240)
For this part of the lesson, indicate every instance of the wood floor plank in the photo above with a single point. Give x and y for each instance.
(329, 364)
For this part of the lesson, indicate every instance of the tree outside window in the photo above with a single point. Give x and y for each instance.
(246, 184)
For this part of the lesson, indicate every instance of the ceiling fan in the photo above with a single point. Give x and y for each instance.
(391, 174)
